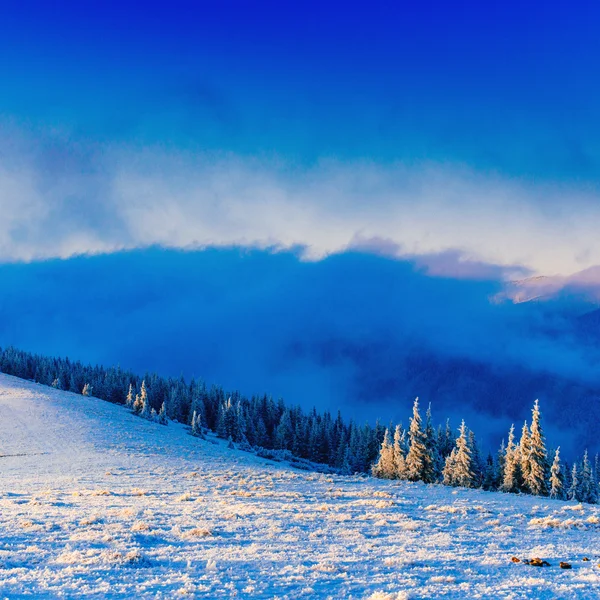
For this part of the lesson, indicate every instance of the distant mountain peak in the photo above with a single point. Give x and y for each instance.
(583, 285)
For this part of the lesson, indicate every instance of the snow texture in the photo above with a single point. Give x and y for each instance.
(96, 501)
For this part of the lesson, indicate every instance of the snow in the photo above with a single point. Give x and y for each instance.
(96, 501)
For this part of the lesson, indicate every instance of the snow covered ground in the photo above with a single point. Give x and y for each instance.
(96, 501)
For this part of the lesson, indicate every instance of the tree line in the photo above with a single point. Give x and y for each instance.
(261, 424)
(423, 453)
(258, 422)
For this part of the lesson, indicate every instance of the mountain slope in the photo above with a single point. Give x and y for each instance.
(96, 501)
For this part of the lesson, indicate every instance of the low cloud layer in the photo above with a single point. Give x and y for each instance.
(355, 332)
(61, 197)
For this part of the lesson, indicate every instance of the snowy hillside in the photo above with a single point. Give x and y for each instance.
(96, 501)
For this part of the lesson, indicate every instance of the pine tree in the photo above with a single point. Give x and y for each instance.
(489, 475)
(432, 446)
(463, 460)
(87, 390)
(586, 486)
(370, 438)
(348, 461)
(399, 456)
(448, 472)
(557, 480)
(146, 412)
(511, 465)
(476, 463)
(354, 447)
(221, 428)
(568, 475)
(162, 415)
(536, 478)
(524, 452)
(385, 467)
(419, 465)
(241, 426)
(141, 400)
(195, 429)
(446, 440)
(500, 464)
(284, 432)
(593, 495)
(573, 492)
(176, 407)
(129, 400)
(429, 431)
(361, 446)
(299, 443)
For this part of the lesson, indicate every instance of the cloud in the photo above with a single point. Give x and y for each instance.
(451, 263)
(60, 197)
(356, 332)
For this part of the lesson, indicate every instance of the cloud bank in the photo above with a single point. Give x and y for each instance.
(356, 332)
(61, 197)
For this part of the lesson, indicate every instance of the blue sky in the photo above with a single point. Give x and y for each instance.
(498, 86)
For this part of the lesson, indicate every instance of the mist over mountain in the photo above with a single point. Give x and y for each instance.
(356, 332)
(583, 286)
